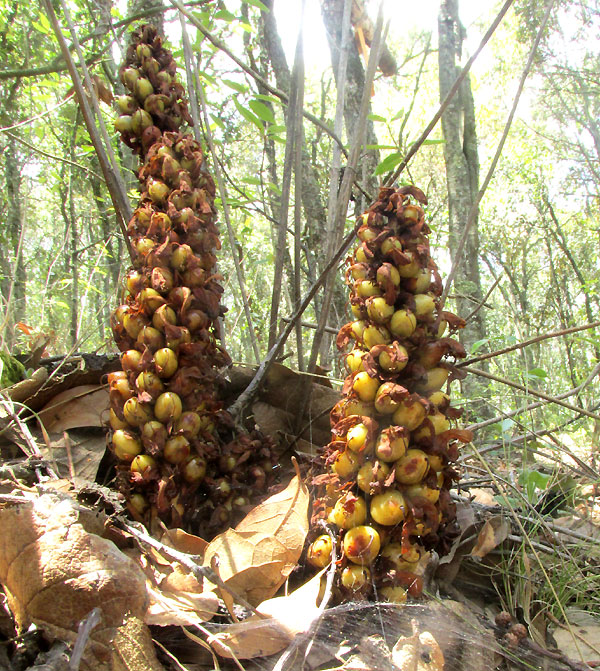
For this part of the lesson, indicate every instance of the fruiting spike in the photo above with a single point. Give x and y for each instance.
(393, 440)
(169, 426)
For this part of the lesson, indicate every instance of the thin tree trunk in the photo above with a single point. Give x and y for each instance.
(462, 174)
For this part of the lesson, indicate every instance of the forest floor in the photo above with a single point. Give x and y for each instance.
(85, 587)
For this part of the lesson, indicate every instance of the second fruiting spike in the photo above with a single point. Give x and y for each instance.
(389, 465)
(179, 457)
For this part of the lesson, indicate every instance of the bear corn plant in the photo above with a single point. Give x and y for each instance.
(179, 457)
(389, 465)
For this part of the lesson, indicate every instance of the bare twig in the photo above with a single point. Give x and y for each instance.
(391, 178)
(245, 398)
(188, 562)
(113, 179)
(350, 171)
(537, 404)
(483, 301)
(473, 212)
(37, 116)
(60, 159)
(298, 141)
(83, 634)
(525, 343)
(288, 164)
(532, 392)
(261, 80)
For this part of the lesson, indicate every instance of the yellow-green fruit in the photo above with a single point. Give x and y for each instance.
(136, 413)
(391, 450)
(424, 305)
(361, 544)
(320, 551)
(370, 474)
(439, 424)
(379, 310)
(115, 422)
(358, 311)
(394, 366)
(367, 233)
(125, 445)
(360, 255)
(194, 470)
(393, 593)
(141, 463)
(349, 512)
(410, 269)
(436, 463)
(358, 328)
(166, 362)
(422, 281)
(388, 508)
(384, 403)
(412, 467)
(423, 491)
(346, 464)
(403, 323)
(409, 415)
(356, 407)
(138, 503)
(365, 386)
(367, 288)
(177, 449)
(439, 398)
(168, 407)
(433, 380)
(150, 383)
(357, 438)
(391, 276)
(189, 424)
(355, 577)
(442, 328)
(376, 335)
(130, 360)
(393, 553)
(354, 360)
(390, 245)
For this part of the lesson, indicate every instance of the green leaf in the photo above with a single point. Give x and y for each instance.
(388, 163)
(426, 142)
(381, 146)
(274, 129)
(251, 180)
(262, 111)
(274, 188)
(247, 114)
(225, 15)
(256, 3)
(376, 117)
(240, 88)
(537, 372)
(272, 99)
(61, 304)
(397, 116)
(478, 345)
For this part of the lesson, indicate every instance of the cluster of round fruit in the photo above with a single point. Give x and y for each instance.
(389, 464)
(156, 101)
(179, 455)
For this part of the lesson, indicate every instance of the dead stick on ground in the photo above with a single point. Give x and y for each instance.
(189, 562)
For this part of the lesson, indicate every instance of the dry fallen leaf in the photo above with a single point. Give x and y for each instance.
(54, 572)
(494, 531)
(284, 618)
(86, 405)
(256, 557)
(419, 652)
(76, 454)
